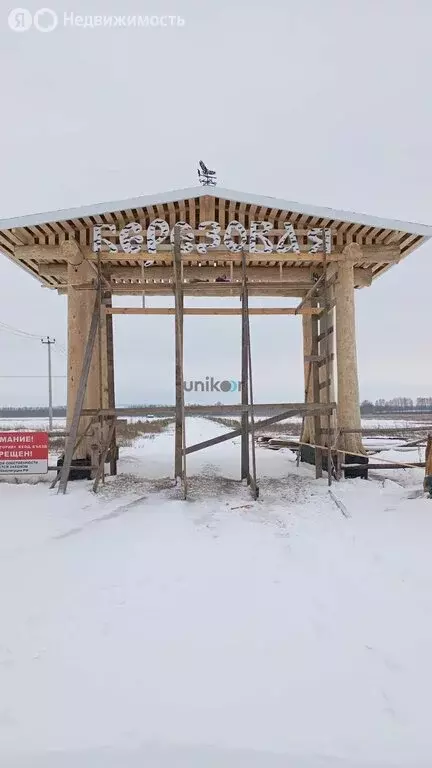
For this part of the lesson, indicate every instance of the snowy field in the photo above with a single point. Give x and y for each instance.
(40, 423)
(141, 630)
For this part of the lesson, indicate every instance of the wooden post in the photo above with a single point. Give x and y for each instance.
(327, 372)
(88, 359)
(428, 466)
(244, 379)
(179, 458)
(109, 336)
(348, 400)
(80, 310)
(316, 398)
(253, 478)
(307, 434)
(326, 376)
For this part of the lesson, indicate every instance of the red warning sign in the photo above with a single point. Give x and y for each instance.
(23, 453)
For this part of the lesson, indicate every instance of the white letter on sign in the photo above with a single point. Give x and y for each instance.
(257, 230)
(290, 238)
(228, 238)
(316, 238)
(187, 237)
(213, 233)
(152, 240)
(98, 240)
(130, 238)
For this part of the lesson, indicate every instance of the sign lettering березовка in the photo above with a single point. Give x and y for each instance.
(23, 453)
(255, 240)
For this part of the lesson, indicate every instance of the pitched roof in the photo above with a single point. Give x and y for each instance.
(323, 212)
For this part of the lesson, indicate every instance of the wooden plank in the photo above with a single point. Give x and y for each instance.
(208, 410)
(383, 466)
(100, 469)
(371, 431)
(227, 311)
(325, 384)
(192, 214)
(230, 289)
(205, 288)
(312, 291)
(328, 332)
(159, 272)
(322, 362)
(78, 408)
(172, 214)
(217, 288)
(237, 432)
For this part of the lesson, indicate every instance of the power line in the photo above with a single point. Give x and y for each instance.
(26, 335)
(17, 331)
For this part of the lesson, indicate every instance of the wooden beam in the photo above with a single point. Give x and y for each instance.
(238, 432)
(374, 467)
(211, 410)
(262, 288)
(362, 275)
(212, 311)
(371, 254)
(162, 272)
(328, 332)
(311, 291)
(167, 292)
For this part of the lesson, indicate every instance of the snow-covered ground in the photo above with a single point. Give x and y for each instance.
(60, 423)
(37, 423)
(141, 630)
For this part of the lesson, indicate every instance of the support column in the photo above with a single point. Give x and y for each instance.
(308, 435)
(348, 389)
(110, 380)
(179, 386)
(327, 390)
(80, 309)
(244, 467)
(179, 457)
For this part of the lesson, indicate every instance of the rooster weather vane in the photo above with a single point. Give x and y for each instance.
(207, 178)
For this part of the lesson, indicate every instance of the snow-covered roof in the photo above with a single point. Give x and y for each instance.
(323, 212)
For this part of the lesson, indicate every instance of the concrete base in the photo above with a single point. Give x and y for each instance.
(307, 454)
(427, 485)
(80, 469)
(350, 459)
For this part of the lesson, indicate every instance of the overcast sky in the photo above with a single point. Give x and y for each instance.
(325, 103)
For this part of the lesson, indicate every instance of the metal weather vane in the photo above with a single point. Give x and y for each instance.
(207, 178)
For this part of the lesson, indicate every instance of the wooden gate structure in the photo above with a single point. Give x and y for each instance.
(210, 242)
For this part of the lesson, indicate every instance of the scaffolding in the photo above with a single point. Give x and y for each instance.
(102, 421)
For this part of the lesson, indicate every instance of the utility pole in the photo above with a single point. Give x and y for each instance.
(49, 342)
